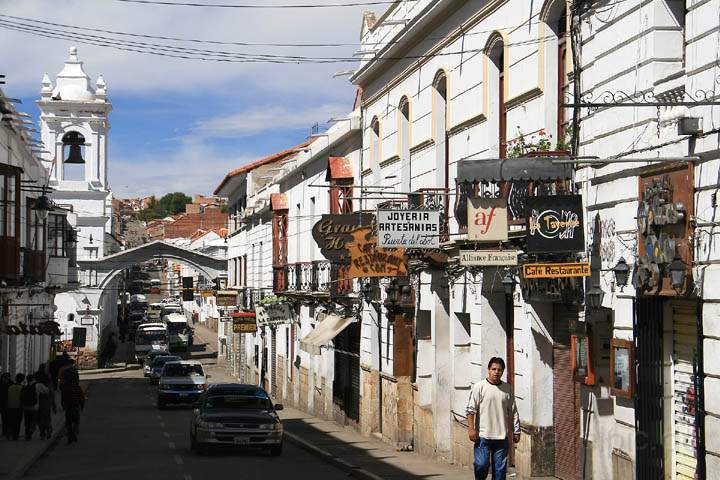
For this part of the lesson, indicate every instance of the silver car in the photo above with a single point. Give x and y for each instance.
(157, 364)
(239, 415)
(181, 382)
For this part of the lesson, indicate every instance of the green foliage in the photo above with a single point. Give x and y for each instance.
(523, 145)
(169, 204)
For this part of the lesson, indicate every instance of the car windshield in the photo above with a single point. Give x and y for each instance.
(237, 402)
(152, 338)
(182, 370)
(177, 327)
(160, 361)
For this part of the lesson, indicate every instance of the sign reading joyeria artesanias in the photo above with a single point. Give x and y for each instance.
(408, 228)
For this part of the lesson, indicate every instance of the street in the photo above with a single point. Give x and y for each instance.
(123, 435)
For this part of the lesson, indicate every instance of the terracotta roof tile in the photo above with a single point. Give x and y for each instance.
(259, 163)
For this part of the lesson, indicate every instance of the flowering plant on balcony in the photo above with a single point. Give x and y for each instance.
(522, 145)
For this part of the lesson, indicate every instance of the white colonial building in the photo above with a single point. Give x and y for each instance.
(74, 128)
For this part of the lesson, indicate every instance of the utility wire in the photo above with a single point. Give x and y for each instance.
(270, 6)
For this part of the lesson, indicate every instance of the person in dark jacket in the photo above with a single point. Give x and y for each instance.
(73, 401)
(15, 413)
(5, 382)
(55, 367)
(46, 407)
(42, 374)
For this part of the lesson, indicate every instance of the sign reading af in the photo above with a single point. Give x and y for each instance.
(487, 219)
(408, 228)
(555, 224)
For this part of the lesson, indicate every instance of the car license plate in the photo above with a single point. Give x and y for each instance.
(241, 441)
(184, 394)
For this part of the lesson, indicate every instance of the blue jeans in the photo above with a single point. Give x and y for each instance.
(486, 449)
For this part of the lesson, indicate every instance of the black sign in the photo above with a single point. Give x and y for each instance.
(555, 224)
(334, 232)
(187, 289)
(78, 339)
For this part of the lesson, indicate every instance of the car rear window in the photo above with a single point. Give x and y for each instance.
(237, 402)
(182, 370)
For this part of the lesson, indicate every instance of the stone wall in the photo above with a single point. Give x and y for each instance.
(424, 432)
(369, 418)
(389, 410)
(303, 402)
(535, 453)
(462, 446)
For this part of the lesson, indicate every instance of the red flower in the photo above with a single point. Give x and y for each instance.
(542, 132)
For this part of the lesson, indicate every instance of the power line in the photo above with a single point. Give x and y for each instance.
(271, 6)
(174, 51)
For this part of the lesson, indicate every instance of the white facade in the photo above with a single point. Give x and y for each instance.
(74, 107)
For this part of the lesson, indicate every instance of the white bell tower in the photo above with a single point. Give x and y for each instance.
(74, 126)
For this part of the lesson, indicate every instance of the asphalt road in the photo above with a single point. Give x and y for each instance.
(123, 436)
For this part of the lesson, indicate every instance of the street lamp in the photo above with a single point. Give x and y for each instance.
(42, 207)
(508, 283)
(595, 297)
(622, 273)
(677, 270)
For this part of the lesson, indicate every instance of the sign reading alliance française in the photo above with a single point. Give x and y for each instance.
(488, 258)
(554, 224)
(556, 270)
(487, 219)
(273, 314)
(244, 322)
(369, 260)
(408, 228)
(333, 232)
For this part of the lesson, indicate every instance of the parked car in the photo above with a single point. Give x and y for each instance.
(181, 382)
(148, 360)
(236, 414)
(156, 365)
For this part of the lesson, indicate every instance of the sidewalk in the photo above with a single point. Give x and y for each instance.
(364, 457)
(20, 455)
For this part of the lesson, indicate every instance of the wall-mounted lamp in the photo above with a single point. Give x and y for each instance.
(622, 273)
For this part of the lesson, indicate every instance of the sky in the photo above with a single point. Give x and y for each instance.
(177, 124)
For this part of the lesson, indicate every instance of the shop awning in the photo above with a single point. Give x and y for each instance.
(523, 168)
(329, 327)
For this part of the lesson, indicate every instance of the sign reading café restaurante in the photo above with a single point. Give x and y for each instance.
(408, 228)
(556, 270)
(369, 260)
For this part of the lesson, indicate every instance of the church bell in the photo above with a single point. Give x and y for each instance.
(74, 140)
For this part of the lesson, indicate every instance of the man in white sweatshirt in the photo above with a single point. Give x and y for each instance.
(491, 415)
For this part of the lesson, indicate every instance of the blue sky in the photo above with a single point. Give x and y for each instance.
(182, 124)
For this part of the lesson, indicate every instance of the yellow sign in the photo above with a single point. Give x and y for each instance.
(369, 260)
(207, 293)
(556, 270)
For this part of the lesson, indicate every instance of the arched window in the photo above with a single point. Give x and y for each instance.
(374, 143)
(440, 128)
(73, 156)
(495, 52)
(404, 143)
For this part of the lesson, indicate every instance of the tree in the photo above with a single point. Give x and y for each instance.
(173, 203)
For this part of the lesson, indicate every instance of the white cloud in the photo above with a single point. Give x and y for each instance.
(195, 168)
(255, 120)
(28, 56)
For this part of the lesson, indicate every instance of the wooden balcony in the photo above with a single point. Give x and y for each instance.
(9, 258)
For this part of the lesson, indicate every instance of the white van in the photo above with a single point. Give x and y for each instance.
(150, 337)
(178, 330)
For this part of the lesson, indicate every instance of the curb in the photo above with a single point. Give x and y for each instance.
(20, 472)
(344, 465)
(95, 371)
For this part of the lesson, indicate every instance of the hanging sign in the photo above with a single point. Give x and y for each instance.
(333, 232)
(369, 260)
(273, 314)
(226, 298)
(207, 293)
(244, 322)
(555, 224)
(87, 320)
(487, 219)
(44, 328)
(408, 228)
(488, 258)
(556, 270)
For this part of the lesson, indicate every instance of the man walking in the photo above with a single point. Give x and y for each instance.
(14, 407)
(29, 398)
(73, 401)
(5, 383)
(491, 414)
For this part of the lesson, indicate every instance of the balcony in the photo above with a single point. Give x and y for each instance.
(303, 277)
(58, 271)
(9, 258)
(34, 265)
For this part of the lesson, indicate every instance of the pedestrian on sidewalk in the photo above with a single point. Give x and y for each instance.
(15, 413)
(42, 374)
(46, 408)
(68, 372)
(491, 415)
(108, 352)
(29, 397)
(73, 401)
(5, 382)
